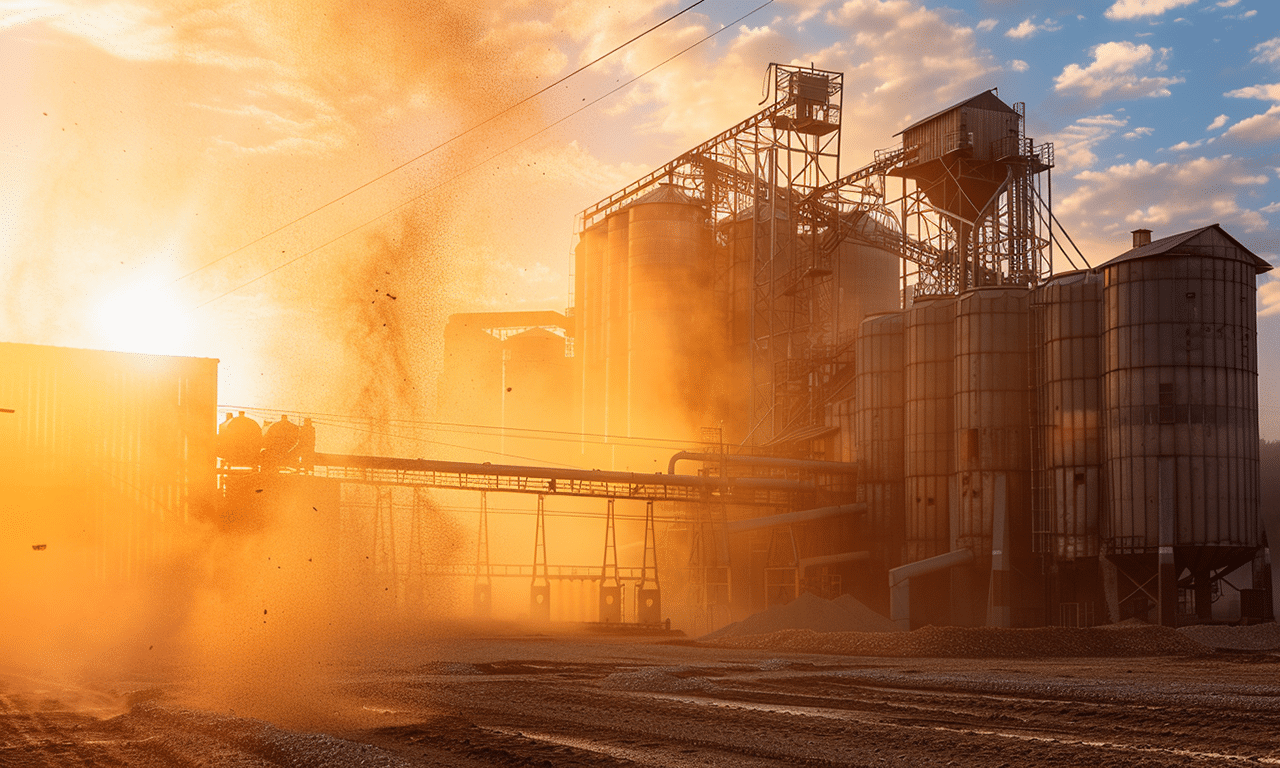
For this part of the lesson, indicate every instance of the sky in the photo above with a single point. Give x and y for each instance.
(220, 179)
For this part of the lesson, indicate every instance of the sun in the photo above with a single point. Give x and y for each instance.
(144, 316)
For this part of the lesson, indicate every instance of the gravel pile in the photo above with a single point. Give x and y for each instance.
(808, 611)
(978, 642)
(1258, 637)
(656, 679)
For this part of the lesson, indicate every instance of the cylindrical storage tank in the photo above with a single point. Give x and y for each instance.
(1067, 344)
(676, 339)
(880, 433)
(615, 322)
(589, 319)
(1181, 398)
(928, 425)
(992, 415)
(867, 280)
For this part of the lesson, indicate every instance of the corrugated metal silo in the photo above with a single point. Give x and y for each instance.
(615, 322)
(880, 434)
(1067, 328)
(929, 427)
(675, 335)
(589, 341)
(992, 437)
(1181, 399)
(867, 280)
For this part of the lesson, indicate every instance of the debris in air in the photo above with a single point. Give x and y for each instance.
(39, 547)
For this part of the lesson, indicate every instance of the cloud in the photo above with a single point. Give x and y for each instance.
(1273, 208)
(1029, 28)
(1268, 52)
(1217, 123)
(1117, 71)
(1183, 146)
(1269, 92)
(1074, 145)
(1242, 16)
(986, 25)
(1269, 297)
(1018, 65)
(1134, 9)
(1259, 128)
(1166, 197)
(1228, 3)
(1139, 132)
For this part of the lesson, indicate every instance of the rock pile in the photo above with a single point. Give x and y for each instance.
(977, 642)
(808, 611)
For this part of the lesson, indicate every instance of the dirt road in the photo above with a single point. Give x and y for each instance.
(527, 700)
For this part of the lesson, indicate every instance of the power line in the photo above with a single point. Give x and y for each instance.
(441, 145)
(495, 155)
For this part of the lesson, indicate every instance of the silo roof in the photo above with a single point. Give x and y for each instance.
(987, 100)
(664, 193)
(1211, 242)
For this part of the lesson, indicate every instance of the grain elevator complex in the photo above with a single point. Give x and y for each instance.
(902, 382)
(1014, 438)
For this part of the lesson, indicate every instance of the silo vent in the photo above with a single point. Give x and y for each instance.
(1141, 237)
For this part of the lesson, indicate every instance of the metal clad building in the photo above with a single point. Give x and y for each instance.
(105, 451)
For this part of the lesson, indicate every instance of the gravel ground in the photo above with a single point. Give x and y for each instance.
(1258, 637)
(469, 700)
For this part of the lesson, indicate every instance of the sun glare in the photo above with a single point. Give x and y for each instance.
(144, 317)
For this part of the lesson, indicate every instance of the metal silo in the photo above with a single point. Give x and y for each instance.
(879, 430)
(589, 321)
(1066, 348)
(992, 442)
(1181, 400)
(928, 425)
(867, 280)
(614, 323)
(676, 342)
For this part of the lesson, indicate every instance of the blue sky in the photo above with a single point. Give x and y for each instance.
(144, 140)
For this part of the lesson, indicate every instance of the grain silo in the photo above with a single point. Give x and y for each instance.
(615, 324)
(589, 324)
(1066, 348)
(675, 333)
(879, 434)
(992, 446)
(929, 455)
(1180, 391)
(866, 272)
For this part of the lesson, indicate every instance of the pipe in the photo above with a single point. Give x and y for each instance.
(554, 473)
(789, 518)
(900, 582)
(843, 557)
(828, 467)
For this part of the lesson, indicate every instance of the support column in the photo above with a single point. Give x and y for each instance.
(610, 586)
(540, 589)
(1168, 573)
(998, 608)
(648, 593)
(482, 594)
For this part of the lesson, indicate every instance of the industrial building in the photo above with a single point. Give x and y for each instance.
(901, 382)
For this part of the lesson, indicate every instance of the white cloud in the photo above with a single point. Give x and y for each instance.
(1269, 92)
(986, 25)
(1166, 197)
(1018, 65)
(1268, 52)
(1269, 297)
(1259, 128)
(1217, 123)
(1139, 132)
(1273, 208)
(1029, 27)
(1183, 146)
(1118, 71)
(1242, 16)
(1074, 145)
(1134, 9)
(1228, 3)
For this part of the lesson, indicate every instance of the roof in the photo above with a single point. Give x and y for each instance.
(664, 193)
(1211, 242)
(987, 100)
